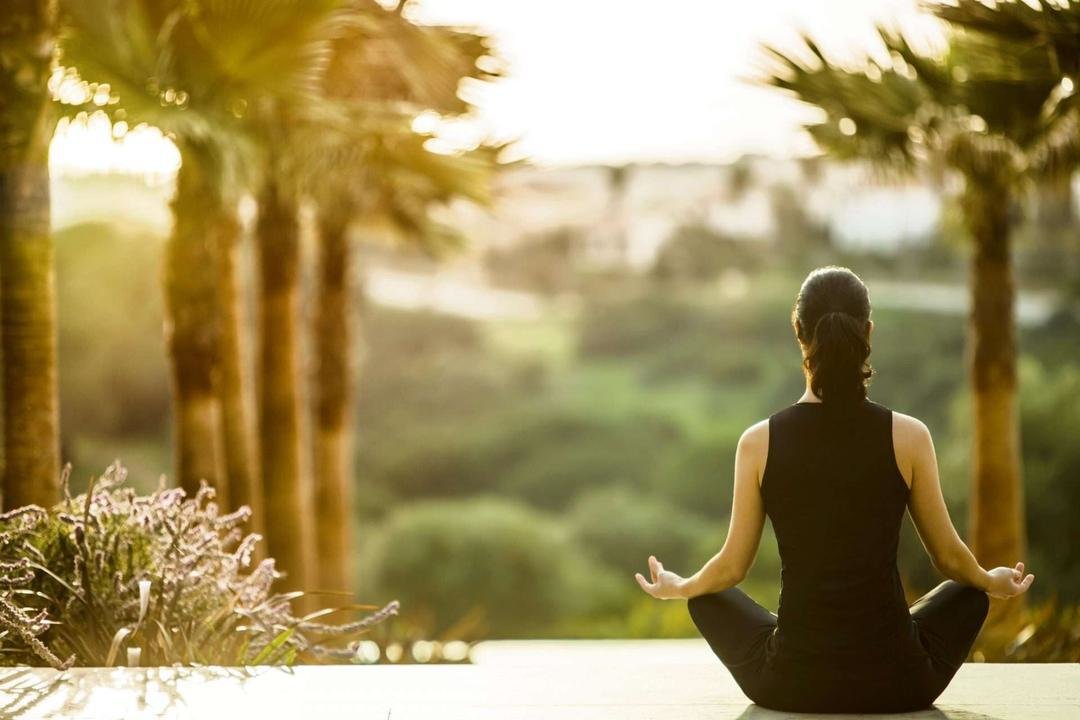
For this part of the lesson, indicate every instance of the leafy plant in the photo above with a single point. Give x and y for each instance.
(483, 567)
(162, 577)
(23, 624)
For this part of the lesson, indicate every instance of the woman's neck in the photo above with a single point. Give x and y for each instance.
(808, 395)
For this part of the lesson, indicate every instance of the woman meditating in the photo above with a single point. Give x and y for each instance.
(834, 473)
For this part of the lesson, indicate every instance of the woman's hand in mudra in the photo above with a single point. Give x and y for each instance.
(665, 584)
(1006, 582)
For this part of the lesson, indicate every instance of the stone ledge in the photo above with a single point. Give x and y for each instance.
(512, 680)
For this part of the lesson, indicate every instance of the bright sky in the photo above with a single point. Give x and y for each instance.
(607, 80)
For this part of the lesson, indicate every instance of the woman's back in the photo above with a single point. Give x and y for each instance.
(836, 499)
(828, 474)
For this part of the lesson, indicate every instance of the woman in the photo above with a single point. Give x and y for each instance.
(834, 473)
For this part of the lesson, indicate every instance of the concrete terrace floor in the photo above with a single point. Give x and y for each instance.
(548, 680)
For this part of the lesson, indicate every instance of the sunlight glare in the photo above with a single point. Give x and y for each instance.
(90, 144)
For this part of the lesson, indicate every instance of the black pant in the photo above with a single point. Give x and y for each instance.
(946, 621)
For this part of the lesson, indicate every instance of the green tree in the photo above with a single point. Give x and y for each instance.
(288, 496)
(361, 164)
(195, 69)
(997, 109)
(531, 576)
(404, 181)
(28, 31)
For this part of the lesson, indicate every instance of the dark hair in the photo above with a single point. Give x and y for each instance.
(830, 317)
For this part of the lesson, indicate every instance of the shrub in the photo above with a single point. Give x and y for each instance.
(738, 344)
(639, 325)
(1049, 418)
(23, 624)
(557, 453)
(699, 476)
(482, 567)
(428, 464)
(545, 455)
(700, 357)
(426, 370)
(622, 528)
(552, 479)
(162, 575)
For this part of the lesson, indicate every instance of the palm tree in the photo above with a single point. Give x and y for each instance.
(1056, 28)
(997, 110)
(400, 182)
(237, 431)
(385, 71)
(195, 68)
(287, 493)
(193, 326)
(27, 299)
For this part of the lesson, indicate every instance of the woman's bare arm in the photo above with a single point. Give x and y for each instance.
(917, 461)
(729, 566)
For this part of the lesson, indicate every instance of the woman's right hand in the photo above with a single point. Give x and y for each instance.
(1008, 582)
(665, 584)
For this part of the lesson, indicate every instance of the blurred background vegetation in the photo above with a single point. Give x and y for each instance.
(490, 390)
(512, 473)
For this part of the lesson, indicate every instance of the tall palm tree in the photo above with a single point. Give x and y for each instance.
(237, 431)
(398, 182)
(195, 68)
(375, 170)
(997, 110)
(27, 297)
(193, 325)
(285, 486)
(1055, 27)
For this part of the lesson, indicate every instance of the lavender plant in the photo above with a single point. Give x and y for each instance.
(22, 624)
(159, 579)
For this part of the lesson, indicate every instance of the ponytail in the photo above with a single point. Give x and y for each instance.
(830, 317)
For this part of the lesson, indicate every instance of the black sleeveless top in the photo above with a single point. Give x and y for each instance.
(836, 500)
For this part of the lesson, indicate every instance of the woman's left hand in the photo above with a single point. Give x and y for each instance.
(665, 584)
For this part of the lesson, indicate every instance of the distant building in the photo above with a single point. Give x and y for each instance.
(624, 215)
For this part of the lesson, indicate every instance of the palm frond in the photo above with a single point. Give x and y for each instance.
(197, 69)
(1054, 26)
(869, 112)
(362, 157)
(1056, 153)
(355, 162)
(993, 105)
(272, 48)
(382, 56)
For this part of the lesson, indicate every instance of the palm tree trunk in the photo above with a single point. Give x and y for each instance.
(27, 285)
(192, 324)
(333, 400)
(237, 428)
(997, 505)
(286, 495)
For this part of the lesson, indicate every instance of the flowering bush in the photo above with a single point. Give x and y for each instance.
(21, 626)
(110, 577)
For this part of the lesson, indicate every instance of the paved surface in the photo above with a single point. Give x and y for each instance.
(621, 680)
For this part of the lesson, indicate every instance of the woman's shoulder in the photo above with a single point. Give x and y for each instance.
(901, 422)
(753, 448)
(911, 441)
(756, 437)
(908, 426)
